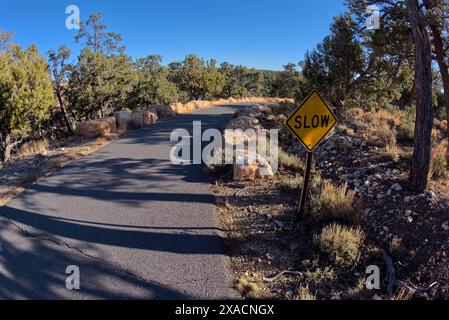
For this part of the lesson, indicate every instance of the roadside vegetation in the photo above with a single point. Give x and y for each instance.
(45, 97)
(379, 192)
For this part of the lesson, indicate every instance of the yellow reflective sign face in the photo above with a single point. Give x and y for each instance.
(312, 121)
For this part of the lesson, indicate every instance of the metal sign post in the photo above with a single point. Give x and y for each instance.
(310, 123)
(305, 189)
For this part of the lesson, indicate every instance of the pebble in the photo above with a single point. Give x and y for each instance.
(407, 199)
(445, 226)
(409, 219)
(408, 213)
(396, 187)
(279, 224)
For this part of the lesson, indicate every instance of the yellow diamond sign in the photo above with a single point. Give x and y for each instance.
(312, 121)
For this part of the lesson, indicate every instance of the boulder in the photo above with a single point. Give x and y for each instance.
(112, 123)
(92, 129)
(244, 123)
(256, 111)
(250, 170)
(149, 116)
(245, 172)
(135, 120)
(162, 111)
(122, 118)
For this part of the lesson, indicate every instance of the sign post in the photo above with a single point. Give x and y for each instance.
(310, 123)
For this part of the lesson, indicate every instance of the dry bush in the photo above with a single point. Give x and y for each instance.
(393, 119)
(341, 244)
(439, 167)
(289, 161)
(247, 288)
(320, 275)
(34, 147)
(441, 126)
(291, 182)
(333, 202)
(435, 134)
(406, 128)
(354, 114)
(392, 151)
(381, 135)
(304, 294)
(344, 129)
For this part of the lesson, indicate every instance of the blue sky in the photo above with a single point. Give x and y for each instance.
(264, 34)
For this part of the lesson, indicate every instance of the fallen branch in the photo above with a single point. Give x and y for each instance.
(282, 273)
(392, 281)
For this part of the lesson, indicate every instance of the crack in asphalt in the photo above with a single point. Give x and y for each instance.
(68, 246)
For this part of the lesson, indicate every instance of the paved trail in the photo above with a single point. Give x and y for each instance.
(137, 226)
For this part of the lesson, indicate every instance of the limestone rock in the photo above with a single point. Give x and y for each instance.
(122, 118)
(135, 120)
(92, 129)
(244, 123)
(149, 116)
(112, 123)
(162, 111)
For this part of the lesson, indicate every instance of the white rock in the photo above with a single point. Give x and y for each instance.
(445, 226)
(396, 187)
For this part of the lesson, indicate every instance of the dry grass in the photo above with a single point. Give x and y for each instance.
(406, 128)
(383, 116)
(304, 294)
(289, 161)
(191, 106)
(393, 152)
(341, 244)
(439, 167)
(291, 182)
(248, 288)
(34, 147)
(381, 135)
(333, 202)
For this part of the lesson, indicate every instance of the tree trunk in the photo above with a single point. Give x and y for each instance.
(424, 105)
(64, 112)
(441, 59)
(6, 146)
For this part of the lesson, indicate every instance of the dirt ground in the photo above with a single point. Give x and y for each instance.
(21, 172)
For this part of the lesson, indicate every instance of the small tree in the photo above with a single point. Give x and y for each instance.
(60, 70)
(200, 80)
(339, 64)
(93, 32)
(152, 86)
(26, 94)
(288, 82)
(99, 84)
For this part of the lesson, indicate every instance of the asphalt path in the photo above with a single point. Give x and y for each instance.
(136, 225)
